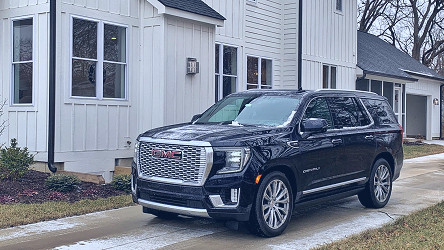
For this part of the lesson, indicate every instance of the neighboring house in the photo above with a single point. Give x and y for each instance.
(413, 90)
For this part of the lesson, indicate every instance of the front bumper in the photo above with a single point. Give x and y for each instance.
(195, 200)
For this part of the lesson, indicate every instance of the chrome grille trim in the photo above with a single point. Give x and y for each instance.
(192, 170)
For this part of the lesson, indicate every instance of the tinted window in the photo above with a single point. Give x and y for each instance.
(381, 111)
(346, 113)
(318, 108)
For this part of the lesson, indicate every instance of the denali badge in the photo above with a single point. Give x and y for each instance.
(311, 170)
(176, 155)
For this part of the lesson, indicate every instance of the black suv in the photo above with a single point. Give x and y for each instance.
(255, 156)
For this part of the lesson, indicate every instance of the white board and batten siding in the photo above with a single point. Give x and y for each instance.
(192, 94)
(329, 37)
(92, 133)
(28, 124)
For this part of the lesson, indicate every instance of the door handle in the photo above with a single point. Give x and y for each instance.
(369, 137)
(336, 141)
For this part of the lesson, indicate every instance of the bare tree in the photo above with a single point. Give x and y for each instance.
(369, 11)
(414, 26)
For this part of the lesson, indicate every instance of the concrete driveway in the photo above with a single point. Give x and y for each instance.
(421, 184)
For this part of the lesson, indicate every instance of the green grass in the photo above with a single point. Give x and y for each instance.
(421, 230)
(21, 214)
(413, 151)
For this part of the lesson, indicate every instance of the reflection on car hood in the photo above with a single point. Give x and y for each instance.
(217, 135)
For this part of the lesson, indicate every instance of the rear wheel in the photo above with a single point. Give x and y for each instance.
(273, 206)
(379, 188)
(160, 214)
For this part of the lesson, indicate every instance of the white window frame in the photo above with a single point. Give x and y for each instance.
(329, 76)
(221, 74)
(259, 85)
(11, 61)
(100, 59)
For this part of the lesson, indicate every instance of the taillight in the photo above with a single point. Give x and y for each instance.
(402, 133)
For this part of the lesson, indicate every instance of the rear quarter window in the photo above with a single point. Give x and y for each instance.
(381, 111)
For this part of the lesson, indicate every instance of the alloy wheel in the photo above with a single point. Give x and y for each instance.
(275, 204)
(382, 183)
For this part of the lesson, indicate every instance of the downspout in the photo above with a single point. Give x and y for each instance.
(300, 46)
(52, 84)
(440, 111)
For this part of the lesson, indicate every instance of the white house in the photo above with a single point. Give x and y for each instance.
(126, 66)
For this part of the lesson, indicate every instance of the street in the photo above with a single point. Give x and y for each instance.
(421, 184)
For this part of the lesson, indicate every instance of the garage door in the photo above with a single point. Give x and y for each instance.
(416, 116)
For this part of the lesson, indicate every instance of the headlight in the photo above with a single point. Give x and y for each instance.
(235, 159)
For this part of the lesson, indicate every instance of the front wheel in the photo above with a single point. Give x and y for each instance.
(273, 206)
(379, 188)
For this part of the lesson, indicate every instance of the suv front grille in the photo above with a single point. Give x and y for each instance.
(191, 169)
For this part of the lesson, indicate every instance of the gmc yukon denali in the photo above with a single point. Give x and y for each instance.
(255, 156)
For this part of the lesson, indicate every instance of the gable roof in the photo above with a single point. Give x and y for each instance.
(193, 6)
(377, 57)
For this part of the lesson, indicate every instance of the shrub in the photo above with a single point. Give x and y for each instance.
(62, 183)
(122, 183)
(14, 161)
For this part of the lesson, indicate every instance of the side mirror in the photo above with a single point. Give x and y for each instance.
(196, 117)
(313, 126)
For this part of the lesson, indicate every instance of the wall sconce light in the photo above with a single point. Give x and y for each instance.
(436, 101)
(192, 66)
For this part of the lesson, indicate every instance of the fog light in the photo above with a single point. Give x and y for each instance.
(234, 195)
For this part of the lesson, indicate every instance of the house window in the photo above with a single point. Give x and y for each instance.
(339, 5)
(329, 77)
(99, 63)
(226, 71)
(22, 61)
(259, 73)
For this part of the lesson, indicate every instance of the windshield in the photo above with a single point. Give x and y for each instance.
(265, 110)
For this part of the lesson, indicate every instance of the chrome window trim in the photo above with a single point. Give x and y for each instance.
(175, 209)
(372, 122)
(314, 190)
(208, 154)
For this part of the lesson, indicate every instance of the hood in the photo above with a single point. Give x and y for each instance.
(218, 135)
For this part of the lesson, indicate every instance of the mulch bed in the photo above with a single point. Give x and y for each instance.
(31, 189)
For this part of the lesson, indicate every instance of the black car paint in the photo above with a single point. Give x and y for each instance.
(317, 161)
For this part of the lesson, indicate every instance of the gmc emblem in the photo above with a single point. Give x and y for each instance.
(176, 155)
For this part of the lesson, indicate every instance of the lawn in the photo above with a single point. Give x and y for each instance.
(21, 214)
(421, 230)
(413, 151)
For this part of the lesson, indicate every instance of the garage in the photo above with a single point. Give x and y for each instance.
(416, 116)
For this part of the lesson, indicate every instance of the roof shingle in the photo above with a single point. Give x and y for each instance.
(376, 56)
(193, 6)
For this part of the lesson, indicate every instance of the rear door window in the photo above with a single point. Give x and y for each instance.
(347, 113)
(381, 111)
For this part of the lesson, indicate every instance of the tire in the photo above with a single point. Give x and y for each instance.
(378, 189)
(160, 214)
(278, 206)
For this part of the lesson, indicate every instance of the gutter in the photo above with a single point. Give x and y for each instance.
(300, 46)
(52, 85)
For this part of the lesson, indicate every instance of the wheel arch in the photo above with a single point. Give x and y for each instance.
(389, 158)
(287, 171)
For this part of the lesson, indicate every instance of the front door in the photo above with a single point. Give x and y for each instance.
(319, 152)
